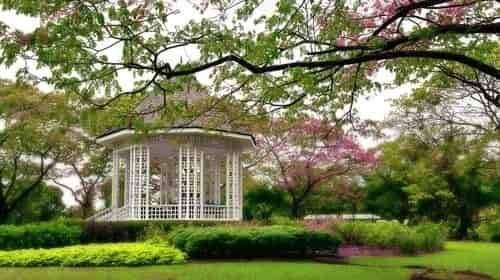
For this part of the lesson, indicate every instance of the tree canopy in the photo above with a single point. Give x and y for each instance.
(318, 55)
(303, 155)
(32, 141)
(450, 180)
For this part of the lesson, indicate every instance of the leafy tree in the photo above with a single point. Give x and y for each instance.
(314, 54)
(450, 180)
(342, 194)
(385, 194)
(262, 202)
(43, 204)
(470, 107)
(32, 141)
(305, 154)
(90, 164)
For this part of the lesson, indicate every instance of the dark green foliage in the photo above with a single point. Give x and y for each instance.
(129, 254)
(385, 195)
(43, 235)
(43, 204)
(252, 242)
(411, 240)
(489, 231)
(450, 180)
(112, 231)
(103, 232)
(260, 203)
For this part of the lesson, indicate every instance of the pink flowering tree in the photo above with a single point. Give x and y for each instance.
(304, 155)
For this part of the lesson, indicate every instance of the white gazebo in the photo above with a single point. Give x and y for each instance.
(175, 173)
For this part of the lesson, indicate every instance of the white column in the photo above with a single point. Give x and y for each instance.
(126, 183)
(115, 183)
(216, 187)
(240, 189)
(147, 180)
(235, 184)
(229, 186)
(132, 185)
(163, 183)
(202, 191)
(189, 183)
(180, 183)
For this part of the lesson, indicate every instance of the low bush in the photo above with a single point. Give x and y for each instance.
(489, 231)
(122, 254)
(410, 240)
(42, 235)
(129, 231)
(252, 242)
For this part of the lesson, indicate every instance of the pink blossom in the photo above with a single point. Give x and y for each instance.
(311, 151)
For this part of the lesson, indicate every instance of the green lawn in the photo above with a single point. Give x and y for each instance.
(482, 257)
(254, 270)
(475, 256)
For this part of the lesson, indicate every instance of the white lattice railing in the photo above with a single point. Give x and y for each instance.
(168, 212)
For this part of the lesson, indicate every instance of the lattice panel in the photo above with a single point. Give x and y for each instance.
(191, 182)
(126, 183)
(233, 185)
(229, 184)
(139, 188)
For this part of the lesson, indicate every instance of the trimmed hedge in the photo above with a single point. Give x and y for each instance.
(43, 235)
(70, 232)
(122, 254)
(252, 242)
(128, 231)
(410, 240)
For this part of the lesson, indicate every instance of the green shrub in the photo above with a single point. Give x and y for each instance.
(262, 202)
(285, 221)
(489, 231)
(129, 254)
(410, 240)
(129, 231)
(42, 235)
(252, 242)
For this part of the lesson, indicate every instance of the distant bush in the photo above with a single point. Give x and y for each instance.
(123, 254)
(252, 242)
(42, 235)
(285, 221)
(489, 231)
(410, 240)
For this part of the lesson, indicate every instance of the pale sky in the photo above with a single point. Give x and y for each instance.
(375, 106)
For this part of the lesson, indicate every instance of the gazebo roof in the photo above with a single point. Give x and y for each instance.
(208, 123)
(117, 134)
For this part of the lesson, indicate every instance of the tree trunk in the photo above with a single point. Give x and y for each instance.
(464, 223)
(4, 212)
(87, 210)
(294, 209)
